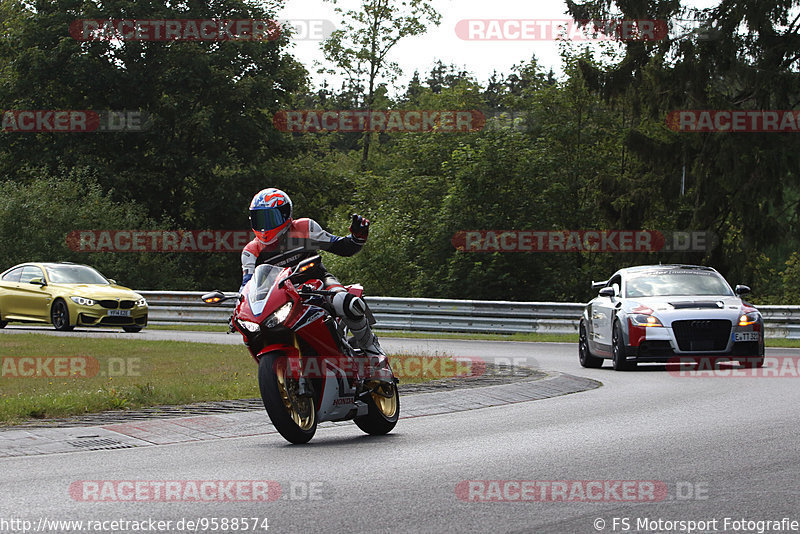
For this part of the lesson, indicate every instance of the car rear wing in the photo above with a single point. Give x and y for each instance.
(599, 285)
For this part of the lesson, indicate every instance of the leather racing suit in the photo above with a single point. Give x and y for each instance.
(303, 239)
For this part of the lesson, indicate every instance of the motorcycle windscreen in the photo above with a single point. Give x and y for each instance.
(263, 279)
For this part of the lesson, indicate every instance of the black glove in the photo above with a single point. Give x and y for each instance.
(359, 228)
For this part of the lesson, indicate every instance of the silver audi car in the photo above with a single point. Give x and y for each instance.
(662, 313)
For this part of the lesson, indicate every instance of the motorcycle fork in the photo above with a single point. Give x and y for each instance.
(303, 389)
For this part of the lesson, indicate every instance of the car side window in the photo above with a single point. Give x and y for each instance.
(30, 272)
(12, 275)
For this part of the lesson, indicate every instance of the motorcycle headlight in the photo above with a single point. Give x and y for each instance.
(141, 302)
(748, 318)
(82, 301)
(250, 326)
(641, 319)
(279, 315)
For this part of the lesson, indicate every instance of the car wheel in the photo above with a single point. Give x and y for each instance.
(2, 322)
(585, 356)
(132, 329)
(618, 349)
(59, 316)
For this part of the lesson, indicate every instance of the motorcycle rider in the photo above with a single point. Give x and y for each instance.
(283, 241)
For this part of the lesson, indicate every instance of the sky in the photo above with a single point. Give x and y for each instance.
(442, 43)
(480, 58)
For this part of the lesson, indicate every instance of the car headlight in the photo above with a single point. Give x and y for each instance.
(641, 319)
(279, 316)
(749, 318)
(250, 326)
(141, 302)
(82, 301)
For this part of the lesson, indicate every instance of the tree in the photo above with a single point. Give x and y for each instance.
(210, 103)
(738, 55)
(360, 48)
(37, 215)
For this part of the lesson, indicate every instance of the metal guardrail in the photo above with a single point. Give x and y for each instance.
(781, 321)
(442, 315)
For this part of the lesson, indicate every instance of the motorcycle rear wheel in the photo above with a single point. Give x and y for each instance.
(294, 417)
(383, 410)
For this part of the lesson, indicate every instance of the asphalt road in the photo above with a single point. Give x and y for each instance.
(720, 447)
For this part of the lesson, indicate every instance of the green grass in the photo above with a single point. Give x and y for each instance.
(541, 338)
(95, 375)
(190, 327)
(563, 338)
(790, 343)
(119, 374)
(530, 336)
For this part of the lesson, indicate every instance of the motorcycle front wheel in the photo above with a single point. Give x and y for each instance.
(383, 410)
(295, 417)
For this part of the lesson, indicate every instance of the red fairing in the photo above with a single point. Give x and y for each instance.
(308, 322)
(292, 352)
(318, 336)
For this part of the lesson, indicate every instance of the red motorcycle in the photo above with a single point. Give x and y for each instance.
(308, 371)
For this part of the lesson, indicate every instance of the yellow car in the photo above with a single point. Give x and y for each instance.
(68, 295)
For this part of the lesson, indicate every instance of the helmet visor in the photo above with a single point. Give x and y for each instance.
(269, 218)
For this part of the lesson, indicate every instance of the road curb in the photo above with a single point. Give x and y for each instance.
(169, 429)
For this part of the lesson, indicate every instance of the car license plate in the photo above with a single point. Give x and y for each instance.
(746, 336)
(119, 313)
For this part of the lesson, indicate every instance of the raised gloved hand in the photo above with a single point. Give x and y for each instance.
(359, 228)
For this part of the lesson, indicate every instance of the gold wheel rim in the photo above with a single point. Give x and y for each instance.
(386, 405)
(301, 409)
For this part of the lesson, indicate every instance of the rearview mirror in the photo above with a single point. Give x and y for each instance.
(213, 297)
(599, 285)
(306, 270)
(217, 296)
(741, 290)
(607, 292)
(37, 282)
